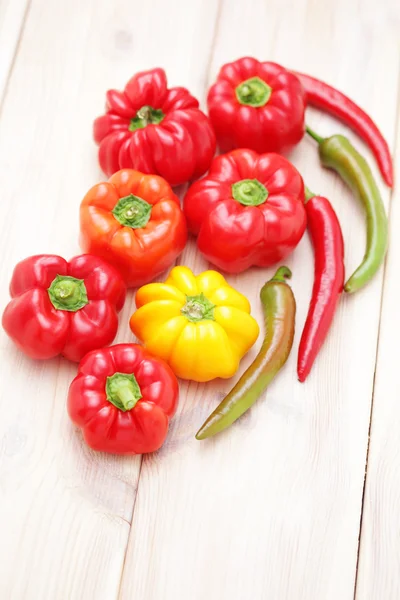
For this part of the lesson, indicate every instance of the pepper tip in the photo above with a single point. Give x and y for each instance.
(200, 434)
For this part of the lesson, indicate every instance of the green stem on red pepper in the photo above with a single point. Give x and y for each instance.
(68, 293)
(147, 115)
(123, 391)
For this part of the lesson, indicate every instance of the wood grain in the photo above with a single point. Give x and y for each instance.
(12, 18)
(378, 572)
(271, 508)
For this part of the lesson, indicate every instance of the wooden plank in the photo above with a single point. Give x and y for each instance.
(378, 572)
(271, 508)
(66, 511)
(12, 18)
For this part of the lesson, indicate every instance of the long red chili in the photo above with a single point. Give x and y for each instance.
(332, 101)
(327, 239)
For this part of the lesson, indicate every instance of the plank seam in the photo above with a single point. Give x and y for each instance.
(15, 54)
(395, 149)
(130, 529)
(207, 70)
(214, 39)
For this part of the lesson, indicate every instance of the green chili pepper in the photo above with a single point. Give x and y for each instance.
(337, 153)
(279, 308)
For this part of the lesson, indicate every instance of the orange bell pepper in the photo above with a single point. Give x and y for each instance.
(135, 222)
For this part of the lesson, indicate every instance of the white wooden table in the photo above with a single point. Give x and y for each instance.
(301, 499)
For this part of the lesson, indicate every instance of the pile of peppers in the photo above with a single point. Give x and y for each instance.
(247, 207)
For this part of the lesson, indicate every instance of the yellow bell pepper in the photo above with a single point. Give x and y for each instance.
(200, 325)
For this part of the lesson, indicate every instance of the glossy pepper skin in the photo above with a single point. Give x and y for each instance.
(337, 153)
(61, 307)
(136, 223)
(199, 324)
(154, 129)
(123, 399)
(330, 100)
(257, 105)
(247, 211)
(327, 239)
(279, 308)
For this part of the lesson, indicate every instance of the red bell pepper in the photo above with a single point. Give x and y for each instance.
(61, 307)
(123, 399)
(153, 129)
(247, 211)
(257, 105)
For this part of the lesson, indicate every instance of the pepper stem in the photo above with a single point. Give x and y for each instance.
(249, 192)
(198, 308)
(146, 115)
(132, 211)
(282, 274)
(309, 194)
(314, 135)
(123, 391)
(68, 293)
(253, 92)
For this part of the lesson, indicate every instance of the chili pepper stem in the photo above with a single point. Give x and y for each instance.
(282, 274)
(314, 135)
(309, 194)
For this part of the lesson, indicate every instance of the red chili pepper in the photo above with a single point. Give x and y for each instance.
(248, 210)
(154, 129)
(123, 399)
(327, 239)
(61, 307)
(332, 101)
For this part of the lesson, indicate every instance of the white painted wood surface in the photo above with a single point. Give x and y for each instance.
(272, 508)
(12, 18)
(378, 572)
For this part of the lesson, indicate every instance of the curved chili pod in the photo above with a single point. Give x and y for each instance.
(330, 100)
(327, 240)
(279, 308)
(337, 153)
